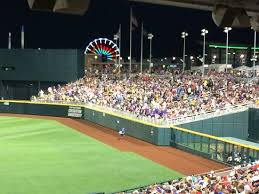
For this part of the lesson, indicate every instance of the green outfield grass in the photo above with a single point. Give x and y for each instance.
(46, 157)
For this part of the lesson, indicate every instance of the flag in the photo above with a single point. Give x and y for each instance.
(134, 21)
(118, 32)
(133, 26)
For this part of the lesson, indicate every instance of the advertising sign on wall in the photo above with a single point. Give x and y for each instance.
(74, 111)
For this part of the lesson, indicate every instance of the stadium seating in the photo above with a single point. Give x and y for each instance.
(155, 96)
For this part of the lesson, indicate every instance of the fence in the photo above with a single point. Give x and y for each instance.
(213, 147)
(207, 115)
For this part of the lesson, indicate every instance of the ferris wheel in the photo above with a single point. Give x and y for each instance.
(104, 47)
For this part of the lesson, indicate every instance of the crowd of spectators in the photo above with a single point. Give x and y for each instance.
(237, 158)
(239, 180)
(161, 97)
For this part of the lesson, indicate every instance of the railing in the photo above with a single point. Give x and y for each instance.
(256, 105)
(159, 121)
(207, 115)
(212, 147)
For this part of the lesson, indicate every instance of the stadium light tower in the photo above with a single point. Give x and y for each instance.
(184, 35)
(203, 33)
(116, 38)
(150, 37)
(227, 30)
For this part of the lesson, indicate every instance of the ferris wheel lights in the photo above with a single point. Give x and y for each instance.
(101, 39)
(103, 46)
(96, 51)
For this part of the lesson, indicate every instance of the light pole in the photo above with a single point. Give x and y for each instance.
(141, 48)
(184, 35)
(116, 38)
(226, 30)
(242, 59)
(254, 57)
(150, 37)
(214, 59)
(203, 33)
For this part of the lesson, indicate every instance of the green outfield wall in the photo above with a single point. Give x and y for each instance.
(253, 127)
(229, 125)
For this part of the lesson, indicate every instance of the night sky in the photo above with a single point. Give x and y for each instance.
(49, 30)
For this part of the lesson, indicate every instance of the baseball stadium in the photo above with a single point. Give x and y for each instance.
(85, 121)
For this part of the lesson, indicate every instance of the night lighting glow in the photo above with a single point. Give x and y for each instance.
(230, 47)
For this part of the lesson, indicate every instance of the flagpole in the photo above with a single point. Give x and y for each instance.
(22, 38)
(120, 45)
(141, 52)
(9, 40)
(130, 39)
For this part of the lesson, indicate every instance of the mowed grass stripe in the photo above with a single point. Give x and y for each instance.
(22, 124)
(28, 133)
(19, 120)
(11, 118)
(6, 131)
(12, 130)
(8, 119)
(65, 161)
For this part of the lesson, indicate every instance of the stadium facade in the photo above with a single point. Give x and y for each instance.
(238, 54)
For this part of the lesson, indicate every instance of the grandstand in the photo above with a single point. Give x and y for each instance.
(166, 99)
